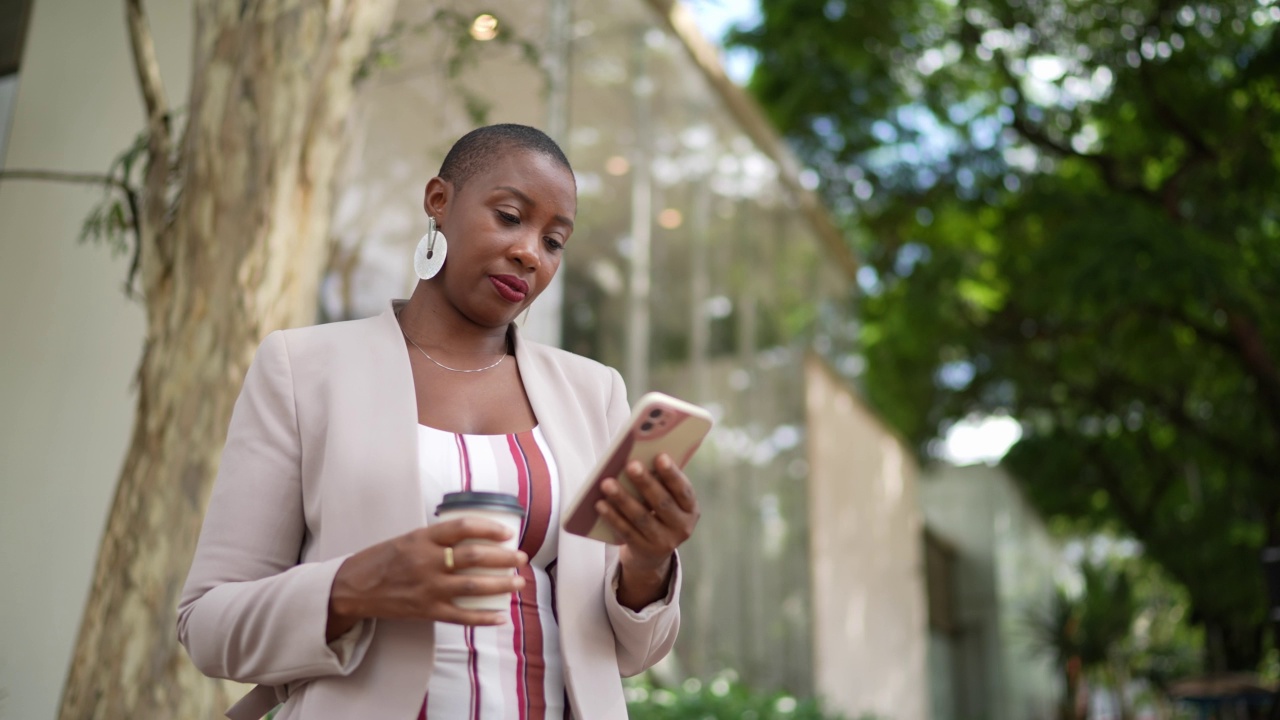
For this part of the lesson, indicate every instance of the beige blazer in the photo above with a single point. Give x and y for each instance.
(321, 462)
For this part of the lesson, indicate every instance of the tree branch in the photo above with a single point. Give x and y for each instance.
(1198, 149)
(1243, 340)
(1253, 353)
(148, 70)
(1118, 389)
(154, 199)
(1112, 481)
(67, 177)
(1105, 164)
(1107, 394)
(1163, 110)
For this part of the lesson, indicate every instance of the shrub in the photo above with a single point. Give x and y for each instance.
(720, 698)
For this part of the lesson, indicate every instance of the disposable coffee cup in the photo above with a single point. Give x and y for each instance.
(501, 508)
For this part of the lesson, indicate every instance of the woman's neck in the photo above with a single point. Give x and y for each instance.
(432, 322)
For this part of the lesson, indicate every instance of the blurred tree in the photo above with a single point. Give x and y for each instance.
(1126, 621)
(231, 226)
(1067, 211)
(1084, 632)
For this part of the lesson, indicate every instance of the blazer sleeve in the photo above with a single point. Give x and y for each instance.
(645, 637)
(250, 611)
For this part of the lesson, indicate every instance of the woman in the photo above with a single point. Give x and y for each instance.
(318, 574)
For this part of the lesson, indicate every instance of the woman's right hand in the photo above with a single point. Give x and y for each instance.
(406, 576)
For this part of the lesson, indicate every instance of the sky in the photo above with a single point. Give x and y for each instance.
(717, 17)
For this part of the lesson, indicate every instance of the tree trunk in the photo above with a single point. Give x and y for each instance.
(1232, 644)
(234, 231)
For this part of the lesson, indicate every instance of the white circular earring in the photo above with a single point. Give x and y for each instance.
(431, 251)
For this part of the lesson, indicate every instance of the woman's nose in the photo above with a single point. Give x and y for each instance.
(525, 251)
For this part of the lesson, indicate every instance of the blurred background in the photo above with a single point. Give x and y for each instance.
(984, 295)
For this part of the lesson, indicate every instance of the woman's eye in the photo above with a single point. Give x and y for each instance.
(554, 244)
(508, 218)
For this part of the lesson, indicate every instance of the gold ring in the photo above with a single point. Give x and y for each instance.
(448, 558)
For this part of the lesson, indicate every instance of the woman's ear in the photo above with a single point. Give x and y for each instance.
(437, 198)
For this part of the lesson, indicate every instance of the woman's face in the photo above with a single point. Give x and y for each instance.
(507, 228)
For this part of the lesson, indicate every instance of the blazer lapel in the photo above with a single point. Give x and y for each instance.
(546, 387)
(390, 430)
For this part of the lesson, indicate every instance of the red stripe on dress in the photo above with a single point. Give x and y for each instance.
(530, 676)
(464, 462)
(517, 644)
(518, 640)
(538, 515)
(473, 672)
(473, 661)
(536, 474)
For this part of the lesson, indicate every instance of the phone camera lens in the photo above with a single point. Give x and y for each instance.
(646, 426)
(655, 413)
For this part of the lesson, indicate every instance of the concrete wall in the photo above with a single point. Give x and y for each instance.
(869, 619)
(1005, 571)
(8, 92)
(71, 340)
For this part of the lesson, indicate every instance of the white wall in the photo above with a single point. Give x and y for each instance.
(70, 339)
(869, 621)
(8, 90)
(1005, 572)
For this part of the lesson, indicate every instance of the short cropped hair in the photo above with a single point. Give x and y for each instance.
(481, 146)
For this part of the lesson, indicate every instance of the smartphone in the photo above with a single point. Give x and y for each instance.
(659, 424)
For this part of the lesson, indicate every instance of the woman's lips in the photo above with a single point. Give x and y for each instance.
(510, 287)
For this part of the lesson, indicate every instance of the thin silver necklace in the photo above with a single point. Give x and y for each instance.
(446, 367)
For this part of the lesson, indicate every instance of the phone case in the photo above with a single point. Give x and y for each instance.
(659, 424)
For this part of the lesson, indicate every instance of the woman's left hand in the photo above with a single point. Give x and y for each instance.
(650, 529)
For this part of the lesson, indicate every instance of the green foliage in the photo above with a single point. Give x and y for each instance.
(112, 222)
(1162, 646)
(1125, 610)
(1106, 612)
(722, 698)
(1122, 620)
(1089, 625)
(1067, 211)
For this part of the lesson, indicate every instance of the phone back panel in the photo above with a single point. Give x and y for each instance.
(659, 424)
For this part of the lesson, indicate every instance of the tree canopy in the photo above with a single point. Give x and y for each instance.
(1069, 212)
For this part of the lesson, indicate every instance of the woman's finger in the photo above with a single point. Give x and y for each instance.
(478, 585)
(450, 613)
(656, 495)
(632, 509)
(452, 532)
(483, 555)
(622, 527)
(676, 483)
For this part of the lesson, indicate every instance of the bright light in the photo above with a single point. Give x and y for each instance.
(617, 165)
(980, 439)
(670, 218)
(1046, 68)
(484, 28)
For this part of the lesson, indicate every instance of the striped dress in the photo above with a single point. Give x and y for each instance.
(512, 671)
